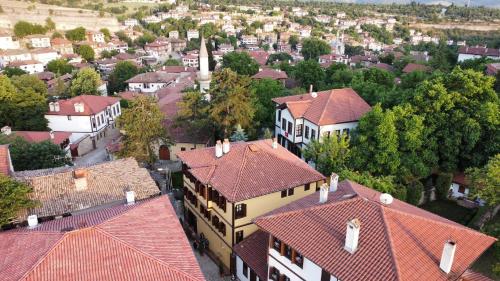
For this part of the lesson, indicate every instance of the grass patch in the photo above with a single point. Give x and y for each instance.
(485, 263)
(450, 210)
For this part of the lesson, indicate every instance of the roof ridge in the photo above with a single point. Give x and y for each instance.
(132, 247)
(391, 247)
(323, 110)
(240, 170)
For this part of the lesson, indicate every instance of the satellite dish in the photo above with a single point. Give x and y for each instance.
(386, 198)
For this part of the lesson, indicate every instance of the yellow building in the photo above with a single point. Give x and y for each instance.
(229, 185)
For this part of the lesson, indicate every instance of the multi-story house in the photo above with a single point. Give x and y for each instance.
(150, 82)
(177, 44)
(268, 27)
(30, 66)
(38, 41)
(7, 43)
(352, 232)
(84, 115)
(193, 34)
(301, 119)
(191, 60)
(158, 49)
(58, 138)
(45, 55)
(173, 34)
(226, 48)
(10, 55)
(249, 40)
(62, 46)
(227, 186)
(95, 37)
(130, 22)
(466, 53)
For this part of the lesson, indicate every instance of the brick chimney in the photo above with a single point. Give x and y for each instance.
(130, 197)
(275, 143)
(56, 106)
(32, 221)
(80, 177)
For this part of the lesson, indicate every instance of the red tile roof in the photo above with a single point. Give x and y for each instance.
(91, 105)
(5, 164)
(153, 77)
(329, 107)
(30, 136)
(480, 51)
(253, 251)
(60, 41)
(460, 179)
(470, 275)
(270, 73)
(396, 242)
(415, 67)
(139, 242)
(129, 95)
(260, 56)
(249, 169)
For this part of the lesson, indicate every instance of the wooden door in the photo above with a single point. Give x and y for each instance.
(164, 153)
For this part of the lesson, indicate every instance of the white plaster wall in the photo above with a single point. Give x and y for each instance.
(139, 87)
(341, 127)
(455, 193)
(309, 270)
(311, 126)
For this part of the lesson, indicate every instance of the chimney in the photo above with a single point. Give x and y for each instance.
(52, 135)
(334, 180)
(51, 106)
(352, 235)
(218, 149)
(32, 221)
(80, 177)
(226, 146)
(130, 197)
(275, 143)
(56, 106)
(323, 193)
(6, 130)
(447, 256)
(386, 198)
(310, 89)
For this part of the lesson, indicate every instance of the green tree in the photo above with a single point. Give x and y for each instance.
(86, 52)
(143, 124)
(192, 114)
(50, 25)
(293, 40)
(24, 28)
(14, 199)
(485, 181)
(59, 66)
(13, 71)
(309, 72)
(330, 154)
(384, 184)
(77, 34)
(240, 62)
(264, 91)
(85, 82)
(279, 57)
(312, 48)
(123, 71)
(107, 34)
(232, 102)
(172, 62)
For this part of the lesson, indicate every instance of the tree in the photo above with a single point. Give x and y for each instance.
(77, 34)
(34, 156)
(354, 50)
(264, 91)
(279, 57)
(240, 62)
(59, 66)
(373, 85)
(330, 154)
(13, 71)
(29, 84)
(384, 184)
(312, 48)
(50, 25)
(172, 62)
(192, 114)
(123, 71)
(107, 34)
(109, 54)
(231, 101)
(309, 72)
(238, 134)
(143, 123)
(293, 40)
(14, 199)
(485, 181)
(24, 28)
(86, 52)
(85, 82)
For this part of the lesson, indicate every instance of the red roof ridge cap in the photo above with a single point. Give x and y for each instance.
(324, 108)
(240, 170)
(391, 243)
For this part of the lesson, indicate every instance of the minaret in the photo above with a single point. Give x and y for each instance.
(204, 74)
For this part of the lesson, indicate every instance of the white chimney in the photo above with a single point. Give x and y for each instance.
(352, 235)
(310, 89)
(226, 146)
(51, 106)
(80, 177)
(323, 193)
(334, 180)
(6, 130)
(386, 198)
(52, 135)
(275, 143)
(56, 106)
(130, 197)
(32, 221)
(447, 256)
(218, 149)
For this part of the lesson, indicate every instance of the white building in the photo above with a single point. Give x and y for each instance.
(96, 37)
(130, 22)
(150, 82)
(466, 53)
(193, 34)
(249, 40)
(6, 42)
(305, 32)
(84, 115)
(190, 60)
(152, 19)
(45, 55)
(301, 119)
(173, 34)
(268, 27)
(10, 55)
(38, 41)
(30, 66)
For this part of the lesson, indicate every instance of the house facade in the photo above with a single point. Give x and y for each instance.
(467, 53)
(62, 46)
(301, 119)
(150, 82)
(30, 66)
(7, 56)
(7, 43)
(45, 55)
(38, 41)
(229, 185)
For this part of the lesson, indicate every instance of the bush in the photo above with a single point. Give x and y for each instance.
(414, 192)
(443, 183)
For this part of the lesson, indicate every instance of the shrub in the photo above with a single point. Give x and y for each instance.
(414, 192)
(443, 183)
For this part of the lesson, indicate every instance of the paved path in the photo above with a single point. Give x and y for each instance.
(99, 154)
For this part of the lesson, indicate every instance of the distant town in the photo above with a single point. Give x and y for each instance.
(249, 140)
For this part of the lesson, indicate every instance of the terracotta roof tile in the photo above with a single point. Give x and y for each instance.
(31, 136)
(270, 73)
(329, 107)
(397, 241)
(470, 275)
(139, 242)
(415, 67)
(246, 171)
(253, 251)
(5, 162)
(153, 77)
(91, 105)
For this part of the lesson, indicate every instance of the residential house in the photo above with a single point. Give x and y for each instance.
(62, 46)
(30, 66)
(173, 34)
(193, 34)
(259, 56)
(45, 55)
(177, 44)
(150, 82)
(7, 43)
(130, 22)
(227, 186)
(459, 187)
(38, 41)
(301, 119)
(106, 66)
(492, 68)
(58, 138)
(352, 232)
(84, 115)
(95, 37)
(226, 48)
(269, 73)
(466, 53)
(158, 49)
(191, 60)
(268, 27)
(10, 55)
(249, 40)
(411, 67)
(329, 59)
(134, 238)
(305, 32)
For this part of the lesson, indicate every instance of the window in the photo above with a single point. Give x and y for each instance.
(239, 236)
(313, 134)
(222, 203)
(283, 124)
(298, 259)
(69, 117)
(290, 191)
(288, 252)
(461, 189)
(327, 134)
(98, 121)
(245, 269)
(307, 186)
(274, 274)
(183, 149)
(290, 127)
(222, 228)
(279, 114)
(307, 132)
(118, 108)
(114, 111)
(346, 131)
(277, 244)
(102, 118)
(337, 132)
(283, 193)
(298, 130)
(240, 211)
